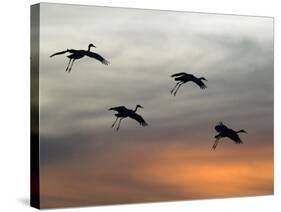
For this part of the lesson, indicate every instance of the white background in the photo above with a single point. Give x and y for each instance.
(14, 103)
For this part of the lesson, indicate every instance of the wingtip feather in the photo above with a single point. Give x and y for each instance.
(105, 62)
(144, 124)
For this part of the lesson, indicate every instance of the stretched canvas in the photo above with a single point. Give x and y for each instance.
(137, 105)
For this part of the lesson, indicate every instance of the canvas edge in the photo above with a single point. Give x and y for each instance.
(155, 9)
(34, 105)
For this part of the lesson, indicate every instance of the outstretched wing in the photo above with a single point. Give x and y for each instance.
(66, 51)
(234, 136)
(139, 119)
(179, 74)
(58, 53)
(199, 83)
(97, 57)
(119, 109)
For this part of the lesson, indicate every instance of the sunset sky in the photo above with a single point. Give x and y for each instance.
(86, 162)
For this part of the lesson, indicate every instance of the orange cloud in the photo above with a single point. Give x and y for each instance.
(146, 172)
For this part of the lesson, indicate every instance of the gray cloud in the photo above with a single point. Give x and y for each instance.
(238, 63)
(144, 55)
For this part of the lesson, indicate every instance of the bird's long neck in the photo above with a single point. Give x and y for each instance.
(136, 109)
(240, 131)
(89, 48)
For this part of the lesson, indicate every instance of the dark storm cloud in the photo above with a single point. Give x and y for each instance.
(54, 149)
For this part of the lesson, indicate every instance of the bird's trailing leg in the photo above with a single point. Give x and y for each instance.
(119, 124)
(215, 144)
(71, 65)
(178, 88)
(68, 65)
(175, 87)
(114, 122)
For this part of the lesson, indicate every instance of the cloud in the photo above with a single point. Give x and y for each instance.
(146, 172)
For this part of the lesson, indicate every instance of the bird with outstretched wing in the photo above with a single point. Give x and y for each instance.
(183, 78)
(123, 112)
(78, 54)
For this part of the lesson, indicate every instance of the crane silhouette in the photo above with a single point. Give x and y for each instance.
(183, 78)
(123, 112)
(78, 54)
(224, 132)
